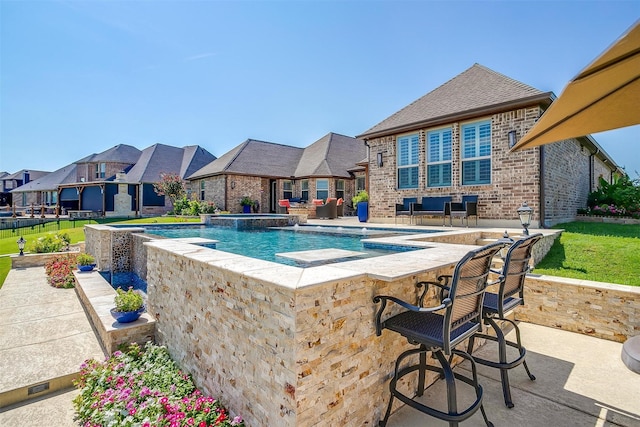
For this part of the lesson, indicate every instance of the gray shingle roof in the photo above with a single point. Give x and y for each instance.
(120, 153)
(256, 158)
(331, 155)
(33, 174)
(160, 158)
(476, 88)
(50, 182)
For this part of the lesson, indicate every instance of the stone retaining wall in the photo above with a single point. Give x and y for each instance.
(602, 310)
(97, 297)
(275, 350)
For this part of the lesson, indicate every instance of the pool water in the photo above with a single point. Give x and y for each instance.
(266, 243)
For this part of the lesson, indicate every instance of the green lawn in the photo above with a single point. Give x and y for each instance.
(591, 251)
(8, 245)
(595, 251)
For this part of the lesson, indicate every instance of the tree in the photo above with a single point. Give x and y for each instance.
(171, 186)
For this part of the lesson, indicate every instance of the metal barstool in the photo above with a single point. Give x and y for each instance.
(509, 296)
(439, 333)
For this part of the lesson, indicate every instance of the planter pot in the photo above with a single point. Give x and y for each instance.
(363, 211)
(127, 316)
(88, 267)
(246, 209)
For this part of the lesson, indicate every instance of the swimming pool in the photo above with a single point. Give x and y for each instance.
(268, 242)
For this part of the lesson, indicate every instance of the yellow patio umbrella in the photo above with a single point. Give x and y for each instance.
(604, 96)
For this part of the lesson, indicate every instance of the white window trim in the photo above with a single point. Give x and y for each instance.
(440, 162)
(476, 123)
(415, 163)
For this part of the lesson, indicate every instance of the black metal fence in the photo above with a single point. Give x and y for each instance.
(16, 227)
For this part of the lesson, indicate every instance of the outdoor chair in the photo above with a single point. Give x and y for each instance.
(510, 295)
(463, 210)
(328, 210)
(340, 207)
(405, 208)
(439, 330)
(284, 205)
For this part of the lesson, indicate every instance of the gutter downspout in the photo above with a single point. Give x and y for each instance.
(367, 170)
(542, 192)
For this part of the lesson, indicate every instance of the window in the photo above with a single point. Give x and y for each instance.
(476, 153)
(322, 188)
(304, 185)
(101, 170)
(340, 189)
(360, 184)
(439, 158)
(408, 161)
(287, 189)
(202, 189)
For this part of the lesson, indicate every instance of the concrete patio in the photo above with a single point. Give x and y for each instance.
(581, 380)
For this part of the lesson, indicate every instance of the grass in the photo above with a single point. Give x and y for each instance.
(590, 251)
(8, 245)
(595, 251)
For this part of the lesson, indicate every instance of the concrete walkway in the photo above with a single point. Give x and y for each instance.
(44, 338)
(581, 380)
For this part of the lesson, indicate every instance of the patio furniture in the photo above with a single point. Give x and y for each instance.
(328, 210)
(459, 317)
(284, 205)
(404, 208)
(340, 207)
(463, 210)
(509, 296)
(432, 206)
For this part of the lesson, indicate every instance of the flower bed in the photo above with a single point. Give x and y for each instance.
(60, 271)
(144, 387)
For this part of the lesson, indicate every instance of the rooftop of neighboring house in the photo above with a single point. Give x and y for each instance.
(145, 165)
(331, 155)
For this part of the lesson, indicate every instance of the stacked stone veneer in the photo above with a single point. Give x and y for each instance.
(97, 297)
(287, 346)
(603, 310)
(113, 247)
(275, 350)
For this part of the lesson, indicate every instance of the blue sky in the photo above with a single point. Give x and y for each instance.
(80, 77)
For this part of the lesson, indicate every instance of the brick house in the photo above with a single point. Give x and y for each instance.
(116, 182)
(267, 172)
(456, 140)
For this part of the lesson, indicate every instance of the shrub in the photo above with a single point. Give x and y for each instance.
(362, 196)
(50, 243)
(85, 259)
(137, 387)
(128, 301)
(620, 197)
(60, 271)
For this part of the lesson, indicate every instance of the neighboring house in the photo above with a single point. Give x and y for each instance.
(9, 182)
(117, 182)
(455, 141)
(267, 172)
(126, 187)
(44, 190)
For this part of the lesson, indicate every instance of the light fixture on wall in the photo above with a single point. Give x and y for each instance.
(525, 213)
(512, 138)
(233, 185)
(379, 160)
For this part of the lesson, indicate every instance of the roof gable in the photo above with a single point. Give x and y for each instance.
(160, 158)
(120, 153)
(50, 181)
(475, 89)
(331, 155)
(257, 158)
